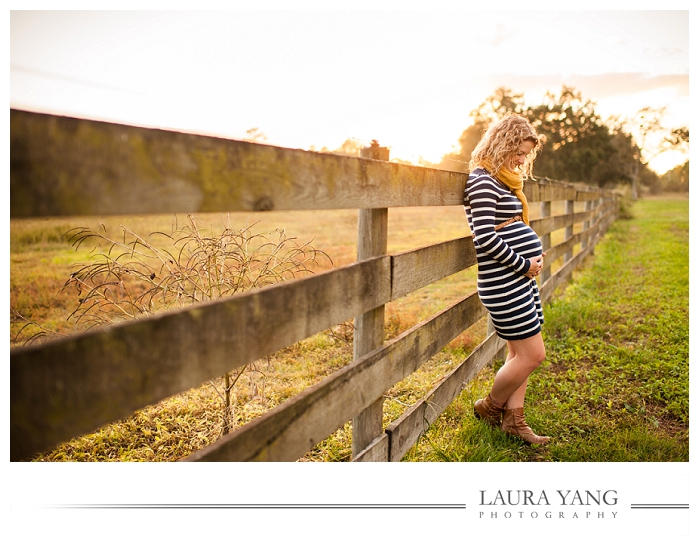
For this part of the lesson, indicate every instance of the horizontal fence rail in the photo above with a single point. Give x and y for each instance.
(63, 166)
(70, 386)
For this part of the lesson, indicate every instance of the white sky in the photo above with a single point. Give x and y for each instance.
(408, 78)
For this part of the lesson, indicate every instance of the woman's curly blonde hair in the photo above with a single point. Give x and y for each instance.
(503, 139)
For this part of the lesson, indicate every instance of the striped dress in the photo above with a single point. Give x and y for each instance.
(503, 257)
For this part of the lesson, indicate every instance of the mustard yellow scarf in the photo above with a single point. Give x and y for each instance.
(513, 181)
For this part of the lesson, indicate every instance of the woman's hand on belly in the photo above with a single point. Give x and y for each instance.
(535, 265)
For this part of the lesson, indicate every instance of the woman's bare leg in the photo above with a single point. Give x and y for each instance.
(510, 384)
(516, 400)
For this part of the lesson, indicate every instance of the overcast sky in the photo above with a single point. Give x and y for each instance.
(315, 78)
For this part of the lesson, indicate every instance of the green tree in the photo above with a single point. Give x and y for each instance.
(580, 147)
(501, 103)
(618, 166)
(577, 142)
(676, 179)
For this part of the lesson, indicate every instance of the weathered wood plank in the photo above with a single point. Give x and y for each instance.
(406, 430)
(377, 451)
(542, 190)
(589, 195)
(294, 427)
(420, 267)
(544, 226)
(67, 166)
(564, 247)
(568, 234)
(67, 387)
(605, 221)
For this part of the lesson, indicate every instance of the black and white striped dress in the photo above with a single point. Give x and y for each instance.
(503, 257)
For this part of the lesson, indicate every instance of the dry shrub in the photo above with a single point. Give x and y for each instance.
(138, 276)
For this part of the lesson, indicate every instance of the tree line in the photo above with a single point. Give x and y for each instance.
(580, 146)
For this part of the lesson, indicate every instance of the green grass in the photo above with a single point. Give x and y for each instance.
(615, 384)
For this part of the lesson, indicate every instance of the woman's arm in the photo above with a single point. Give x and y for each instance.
(483, 198)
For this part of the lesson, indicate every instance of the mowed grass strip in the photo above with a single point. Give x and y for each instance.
(615, 384)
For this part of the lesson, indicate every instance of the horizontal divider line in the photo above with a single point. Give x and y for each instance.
(261, 506)
(659, 506)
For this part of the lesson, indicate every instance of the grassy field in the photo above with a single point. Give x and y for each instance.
(614, 386)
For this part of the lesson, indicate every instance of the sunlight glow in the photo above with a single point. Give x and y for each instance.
(316, 78)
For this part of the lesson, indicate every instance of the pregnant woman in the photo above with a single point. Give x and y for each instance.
(509, 258)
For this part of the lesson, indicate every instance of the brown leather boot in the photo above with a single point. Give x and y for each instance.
(488, 411)
(514, 424)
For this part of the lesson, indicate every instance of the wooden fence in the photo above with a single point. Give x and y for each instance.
(62, 166)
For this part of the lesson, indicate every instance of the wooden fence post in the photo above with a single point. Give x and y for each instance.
(586, 226)
(570, 209)
(372, 240)
(545, 242)
(597, 206)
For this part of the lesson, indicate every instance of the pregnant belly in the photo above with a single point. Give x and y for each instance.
(524, 241)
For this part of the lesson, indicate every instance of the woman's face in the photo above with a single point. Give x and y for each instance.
(520, 155)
